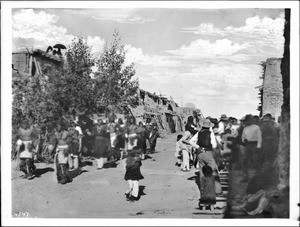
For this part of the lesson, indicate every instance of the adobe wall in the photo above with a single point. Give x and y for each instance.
(272, 85)
(21, 62)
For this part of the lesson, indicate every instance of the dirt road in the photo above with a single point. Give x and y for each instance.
(167, 192)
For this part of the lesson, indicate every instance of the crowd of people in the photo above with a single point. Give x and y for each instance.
(208, 145)
(212, 145)
(108, 140)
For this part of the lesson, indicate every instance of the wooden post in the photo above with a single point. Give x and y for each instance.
(30, 64)
(37, 66)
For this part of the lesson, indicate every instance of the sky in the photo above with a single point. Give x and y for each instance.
(207, 57)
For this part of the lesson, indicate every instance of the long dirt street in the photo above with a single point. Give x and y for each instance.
(167, 192)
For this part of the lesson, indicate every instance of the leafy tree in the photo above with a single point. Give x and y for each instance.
(32, 99)
(70, 90)
(73, 87)
(115, 86)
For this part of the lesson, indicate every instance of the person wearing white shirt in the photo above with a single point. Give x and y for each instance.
(252, 139)
(221, 128)
(186, 147)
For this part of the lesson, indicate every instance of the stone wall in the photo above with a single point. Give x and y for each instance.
(284, 143)
(272, 88)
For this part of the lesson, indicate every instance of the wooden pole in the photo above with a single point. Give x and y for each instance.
(30, 64)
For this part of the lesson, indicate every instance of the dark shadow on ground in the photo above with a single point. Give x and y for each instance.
(152, 152)
(208, 213)
(196, 178)
(141, 190)
(76, 172)
(86, 163)
(40, 172)
(110, 165)
(147, 157)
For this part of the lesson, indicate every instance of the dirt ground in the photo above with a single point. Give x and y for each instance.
(166, 191)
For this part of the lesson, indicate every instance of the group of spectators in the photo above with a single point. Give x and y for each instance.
(210, 145)
(214, 145)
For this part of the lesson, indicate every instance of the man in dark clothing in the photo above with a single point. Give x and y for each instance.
(270, 140)
(207, 142)
(190, 126)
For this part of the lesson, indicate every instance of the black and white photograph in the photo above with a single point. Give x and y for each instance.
(150, 113)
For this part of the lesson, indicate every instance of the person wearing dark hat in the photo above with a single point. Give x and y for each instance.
(207, 142)
(251, 137)
(133, 174)
(270, 139)
(256, 120)
(222, 123)
(24, 149)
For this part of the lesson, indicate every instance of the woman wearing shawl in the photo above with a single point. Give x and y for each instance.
(142, 142)
(100, 152)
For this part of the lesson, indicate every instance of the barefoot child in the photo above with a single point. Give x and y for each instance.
(207, 189)
(133, 175)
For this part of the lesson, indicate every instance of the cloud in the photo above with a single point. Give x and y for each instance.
(204, 29)
(258, 32)
(77, 11)
(136, 55)
(97, 45)
(125, 19)
(229, 75)
(261, 26)
(127, 16)
(38, 29)
(215, 101)
(205, 49)
(214, 87)
(253, 25)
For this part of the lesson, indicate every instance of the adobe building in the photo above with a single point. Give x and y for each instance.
(161, 109)
(32, 62)
(169, 116)
(272, 88)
